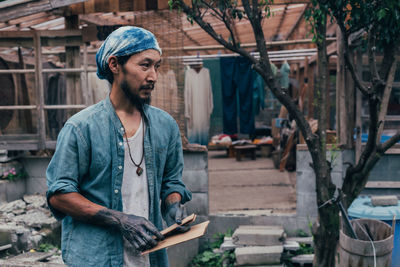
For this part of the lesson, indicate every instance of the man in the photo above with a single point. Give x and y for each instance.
(116, 160)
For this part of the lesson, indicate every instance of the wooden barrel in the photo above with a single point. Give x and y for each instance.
(359, 252)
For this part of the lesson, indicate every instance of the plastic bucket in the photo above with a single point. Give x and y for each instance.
(360, 252)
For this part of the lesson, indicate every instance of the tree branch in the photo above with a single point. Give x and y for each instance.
(382, 148)
(376, 79)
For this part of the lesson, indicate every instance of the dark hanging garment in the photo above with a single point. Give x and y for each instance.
(55, 94)
(216, 124)
(7, 95)
(237, 89)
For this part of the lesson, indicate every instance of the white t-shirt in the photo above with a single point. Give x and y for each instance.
(135, 194)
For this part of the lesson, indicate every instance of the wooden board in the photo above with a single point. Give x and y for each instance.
(194, 232)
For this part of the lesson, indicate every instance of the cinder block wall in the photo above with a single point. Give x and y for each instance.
(195, 177)
(36, 170)
(306, 194)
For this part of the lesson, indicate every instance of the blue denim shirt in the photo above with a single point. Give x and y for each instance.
(89, 159)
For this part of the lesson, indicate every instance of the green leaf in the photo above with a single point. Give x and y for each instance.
(381, 14)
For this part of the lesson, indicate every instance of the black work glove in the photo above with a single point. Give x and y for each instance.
(175, 213)
(139, 231)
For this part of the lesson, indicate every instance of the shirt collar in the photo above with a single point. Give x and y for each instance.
(116, 121)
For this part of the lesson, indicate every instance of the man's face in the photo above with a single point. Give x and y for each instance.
(139, 75)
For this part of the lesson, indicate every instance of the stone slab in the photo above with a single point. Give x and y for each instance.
(32, 256)
(302, 240)
(291, 245)
(258, 235)
(258, 255)
(303, 259)
(384, 200)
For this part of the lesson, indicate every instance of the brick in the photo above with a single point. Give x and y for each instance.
(258, 235)
(258, 255)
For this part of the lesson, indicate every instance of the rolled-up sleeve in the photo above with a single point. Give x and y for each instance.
(67, 166)
(172, 179)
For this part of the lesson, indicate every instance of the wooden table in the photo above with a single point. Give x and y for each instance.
(245, 150)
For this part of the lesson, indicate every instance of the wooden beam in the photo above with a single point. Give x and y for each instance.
(32, 7)
(288, 2)
(48, 38)
(278, 29)
(297, 22)
(89, 7)
(139, 5)
(251, 45)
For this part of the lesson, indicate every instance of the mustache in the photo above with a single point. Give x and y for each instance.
(147, 87)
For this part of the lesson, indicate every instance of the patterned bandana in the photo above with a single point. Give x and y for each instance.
(124, 41)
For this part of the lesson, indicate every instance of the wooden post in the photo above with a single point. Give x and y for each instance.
(39, 90)
(328, 98)
(87, 92)
(311, 92)
(344, 99)
(358, 114)
(72, 56)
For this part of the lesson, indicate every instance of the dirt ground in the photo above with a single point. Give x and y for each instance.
(252, 185)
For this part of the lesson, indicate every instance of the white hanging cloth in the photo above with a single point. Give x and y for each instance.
(198, 105)
(165, 93)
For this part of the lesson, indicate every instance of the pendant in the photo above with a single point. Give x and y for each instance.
(139, 171)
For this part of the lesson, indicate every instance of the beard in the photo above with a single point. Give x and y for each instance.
(134, 97)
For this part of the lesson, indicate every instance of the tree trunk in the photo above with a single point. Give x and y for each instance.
(326, 230)
(326, 236)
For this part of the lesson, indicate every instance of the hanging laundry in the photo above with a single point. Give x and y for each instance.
(165, 93)
(100, 88)
(55, 93)
(237, 89)
(285, 71)
(213, 65)
(198, 104)
(258, 93)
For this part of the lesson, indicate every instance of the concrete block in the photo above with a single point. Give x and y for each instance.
(258, 236)
(196, 180)
(258, 255)
(195, 160)
(5, 238)
(337, 178)
(305, 181)
(36, 185)
(181, 254)
(36, 166)
(228, 244)
(14, 190)
(303, 160)
(306, 204)
(198, 204)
